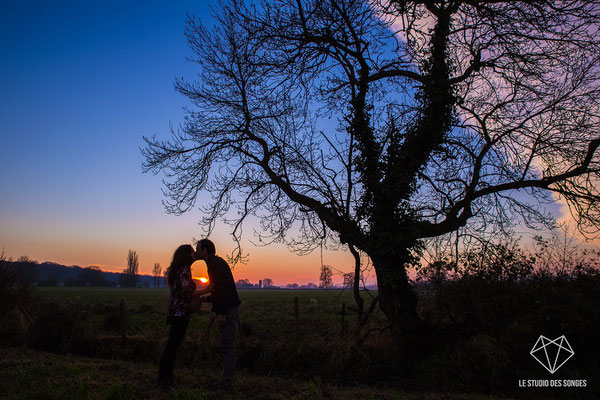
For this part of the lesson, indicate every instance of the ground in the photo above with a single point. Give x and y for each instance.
(27, 374)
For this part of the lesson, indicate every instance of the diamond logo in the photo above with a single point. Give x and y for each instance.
(552, 354)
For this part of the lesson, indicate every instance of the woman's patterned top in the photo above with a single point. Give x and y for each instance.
(181, 294)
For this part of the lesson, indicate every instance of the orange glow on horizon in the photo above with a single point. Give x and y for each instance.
(274, 262)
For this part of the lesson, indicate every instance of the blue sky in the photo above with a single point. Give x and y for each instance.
(82, 83)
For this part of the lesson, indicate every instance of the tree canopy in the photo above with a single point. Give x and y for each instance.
(380, 124)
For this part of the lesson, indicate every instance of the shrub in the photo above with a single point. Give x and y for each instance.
(18, 299)
(58, 328)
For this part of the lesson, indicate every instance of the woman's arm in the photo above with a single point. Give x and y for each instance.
(188, 286)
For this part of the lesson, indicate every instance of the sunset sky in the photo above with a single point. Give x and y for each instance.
(81, 83)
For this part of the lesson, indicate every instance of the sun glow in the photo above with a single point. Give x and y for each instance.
(201, 280)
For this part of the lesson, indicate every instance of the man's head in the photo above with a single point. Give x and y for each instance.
(205, 249)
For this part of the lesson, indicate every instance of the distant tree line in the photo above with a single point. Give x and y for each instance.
(310, 285)
(31, 272)
(266, 283)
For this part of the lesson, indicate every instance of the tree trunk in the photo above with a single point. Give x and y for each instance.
(356, 287)
(398, 300)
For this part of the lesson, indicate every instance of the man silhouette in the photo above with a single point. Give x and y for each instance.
(225, 304)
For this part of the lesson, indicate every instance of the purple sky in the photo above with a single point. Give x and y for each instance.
(81, 83)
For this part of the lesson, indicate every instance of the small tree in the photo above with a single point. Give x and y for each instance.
(243, 283)
(14, 292)
(129, 276)
(267, 283)
(156, 272)
(26, 270)
(325, 278)
(26, 259)
(561, 253)
(348, 280)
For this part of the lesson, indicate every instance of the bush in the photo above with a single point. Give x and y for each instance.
(18, 299)
(490, 326)
(59, 329)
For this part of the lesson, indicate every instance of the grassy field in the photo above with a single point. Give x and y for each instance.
(473, 340)
(271, 312)
(277, 356)
(31, 375)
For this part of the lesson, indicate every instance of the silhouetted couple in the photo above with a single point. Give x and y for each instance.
(185, 299)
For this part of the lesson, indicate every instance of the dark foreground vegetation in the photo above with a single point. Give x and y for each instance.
(478, 328)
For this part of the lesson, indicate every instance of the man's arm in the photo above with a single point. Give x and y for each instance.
(207, 289)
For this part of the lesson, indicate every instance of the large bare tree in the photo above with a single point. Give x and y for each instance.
(377, 125)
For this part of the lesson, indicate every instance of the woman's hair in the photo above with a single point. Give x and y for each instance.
(181, 258)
